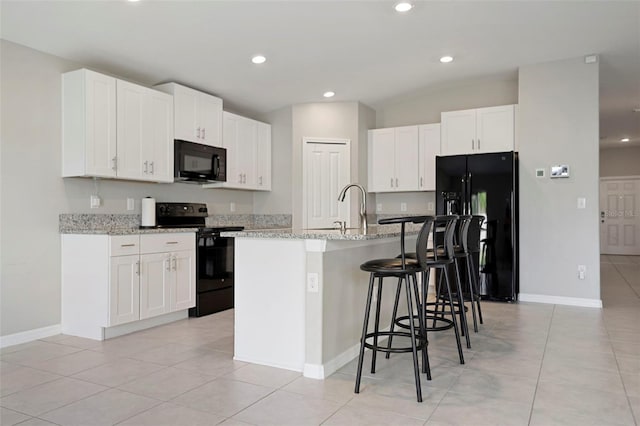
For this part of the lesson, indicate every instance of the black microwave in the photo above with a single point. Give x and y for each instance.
(198, 163)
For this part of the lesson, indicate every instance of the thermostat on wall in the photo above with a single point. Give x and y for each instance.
(560, 171)
(539, 173)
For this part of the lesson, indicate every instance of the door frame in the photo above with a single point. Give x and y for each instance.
(601, 180)
(306, 141)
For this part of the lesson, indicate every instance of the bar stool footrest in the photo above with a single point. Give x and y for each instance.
(421, 343)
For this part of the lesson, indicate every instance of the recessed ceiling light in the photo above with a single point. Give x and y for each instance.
(446, 59)
(329, 94)
(624, 140)
(258, 59)
(403, 6)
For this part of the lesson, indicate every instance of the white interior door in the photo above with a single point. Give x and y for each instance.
(620, 217)
(326, 170)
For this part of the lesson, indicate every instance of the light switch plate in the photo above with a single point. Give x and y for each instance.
(94, 201)
(582, 203)
(379, 207)
(131, 204)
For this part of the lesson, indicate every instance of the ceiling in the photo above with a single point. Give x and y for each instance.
(362, 50)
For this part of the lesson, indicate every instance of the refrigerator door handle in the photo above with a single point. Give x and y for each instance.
(468, 194)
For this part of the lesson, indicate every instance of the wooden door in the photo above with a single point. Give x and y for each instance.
(158, 142)
(458, 132)
(183, 287)
(620, 217)
(495, 130)
(263, 157)
(100, 110)
(124, 292)
(382, 173)
(131, 131)
(406, 164)
(155, 280)
(429, 149)
(210, 119)
(326, 171)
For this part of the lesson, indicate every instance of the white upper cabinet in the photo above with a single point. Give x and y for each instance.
(429, 148)
(479, 130)
(248, 145)
(88, 124)
(393, 159)
(115, 129)
(197, 115)
(263, 157)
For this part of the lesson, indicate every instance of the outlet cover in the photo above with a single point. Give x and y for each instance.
(232, 207)
(379, 207)
(403, 207)
(582, 203)
(313, 282)
(430, 206)
(94, 201)
(131, 204)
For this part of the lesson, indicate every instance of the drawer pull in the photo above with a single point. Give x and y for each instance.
(127, 245)
(172, 242)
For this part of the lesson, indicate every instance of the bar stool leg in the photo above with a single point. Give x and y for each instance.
(472, 294)
(453, 317)
(416, 369)
(476, 288)
(463, 315)
(376, 326)
(393, 317)
(422, 318)
(367, 310)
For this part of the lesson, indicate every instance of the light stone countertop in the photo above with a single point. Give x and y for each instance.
(375, 232)
(127, 231)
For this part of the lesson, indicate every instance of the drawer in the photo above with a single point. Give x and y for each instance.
(123, 245)
(159, 243)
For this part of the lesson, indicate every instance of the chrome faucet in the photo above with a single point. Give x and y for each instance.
(363, 205)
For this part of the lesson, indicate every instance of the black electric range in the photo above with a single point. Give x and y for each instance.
(214, 255)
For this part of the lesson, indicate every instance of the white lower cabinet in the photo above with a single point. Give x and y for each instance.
(109, 281)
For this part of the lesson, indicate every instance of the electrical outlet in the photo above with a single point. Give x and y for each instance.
(232, 207)
(94, 201)
(131, 204)
(582, 272)
(403, 207)
(313, 282)
(379, 207)
(430, 206)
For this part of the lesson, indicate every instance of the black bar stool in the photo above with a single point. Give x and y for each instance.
(405, 271)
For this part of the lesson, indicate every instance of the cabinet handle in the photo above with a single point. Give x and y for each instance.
(127, 245)
(260, 180)
(152, 167)
(199, 133)
(240, 178)
(172, 242)
(420, 182)
(203, 133)
(391, 182)
(146, 167)
(138, 267)
(396, 182)
(472, 145)
(168, 263)
(114, 160)
(175, 263)
(478, 143)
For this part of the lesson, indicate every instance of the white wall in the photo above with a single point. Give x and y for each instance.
(620, 161)
(559, 125)
(33, 194)
(278, 200)
(424, 107)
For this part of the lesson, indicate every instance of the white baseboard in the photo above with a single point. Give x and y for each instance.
(29, 335)
(560, 300)
(266, 363)
(131, 327)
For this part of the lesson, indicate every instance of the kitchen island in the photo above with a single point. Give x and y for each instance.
(300, 294)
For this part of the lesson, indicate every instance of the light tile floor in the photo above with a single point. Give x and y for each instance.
(530, 364)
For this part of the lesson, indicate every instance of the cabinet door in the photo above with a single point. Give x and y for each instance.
(495, 129)
(131, 131)
(155, 284)
(158, 143)
(263, 157)
(185, 102)
(247, 141)
(100, 126)
(230, 142)
(210, 119)
(406, 159)
(183, 289)
(124, 294)
(458, 132)
(429, 149)
(381, 160)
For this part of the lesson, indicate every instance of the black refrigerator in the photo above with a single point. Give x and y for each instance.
(486, 185)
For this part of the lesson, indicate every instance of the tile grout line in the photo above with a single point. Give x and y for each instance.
(625, 280)
(541, 363)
